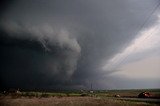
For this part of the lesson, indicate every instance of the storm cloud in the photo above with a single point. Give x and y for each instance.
(69, 44)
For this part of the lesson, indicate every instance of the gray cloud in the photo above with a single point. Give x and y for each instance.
(61, 50)
(65, 43)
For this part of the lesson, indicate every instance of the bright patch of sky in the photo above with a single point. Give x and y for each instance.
(146, 46)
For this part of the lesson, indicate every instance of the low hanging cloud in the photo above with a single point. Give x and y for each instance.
(45, 34)
(56, 57)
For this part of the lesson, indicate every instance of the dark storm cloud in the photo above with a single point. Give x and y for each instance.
(55, 43)
(42, 54)
(4, 4)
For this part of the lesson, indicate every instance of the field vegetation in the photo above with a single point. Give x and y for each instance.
(78, 98)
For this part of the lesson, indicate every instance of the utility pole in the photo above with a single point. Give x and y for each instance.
(91, 86)
(91, 90)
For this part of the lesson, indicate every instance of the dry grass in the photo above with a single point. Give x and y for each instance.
(68, 101)
(99, 98)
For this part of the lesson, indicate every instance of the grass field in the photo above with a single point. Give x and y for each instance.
(76, 98)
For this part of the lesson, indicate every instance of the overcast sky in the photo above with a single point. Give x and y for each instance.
(69, 44)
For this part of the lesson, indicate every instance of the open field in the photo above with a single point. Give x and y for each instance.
(75, 98)
(70, 101)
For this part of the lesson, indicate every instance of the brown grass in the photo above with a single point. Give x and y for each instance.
(67, 101)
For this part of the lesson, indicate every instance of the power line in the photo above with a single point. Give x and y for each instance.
(141, 27)
(146, 20)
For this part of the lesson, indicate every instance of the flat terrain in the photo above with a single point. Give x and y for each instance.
(71, 101)
(99, 98)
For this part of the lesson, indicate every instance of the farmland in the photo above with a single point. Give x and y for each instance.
(77, 98)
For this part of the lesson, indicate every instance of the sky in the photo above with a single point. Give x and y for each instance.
(59, 44)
